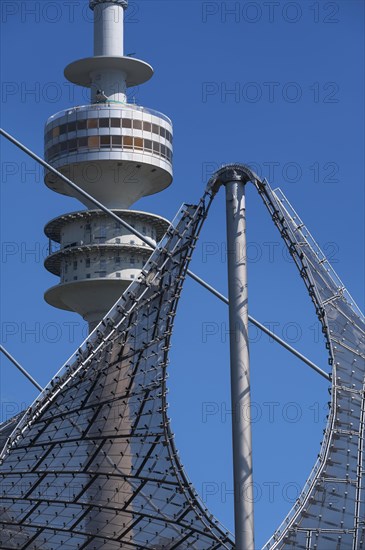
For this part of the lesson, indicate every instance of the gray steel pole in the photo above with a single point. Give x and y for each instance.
(240, 365)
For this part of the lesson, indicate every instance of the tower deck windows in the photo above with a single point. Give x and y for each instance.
(72, 146)
(117, 142)
(82, 143)
(93, 142)
(105, 141)
(110, 143)
(128, 142)
(114, 123)
(138, 143)
(104, 123)
(92, 123)
(75, 136)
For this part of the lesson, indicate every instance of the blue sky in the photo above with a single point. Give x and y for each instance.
(278, 85)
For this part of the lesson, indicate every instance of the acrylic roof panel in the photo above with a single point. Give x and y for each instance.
(330, 514)
(93, 464)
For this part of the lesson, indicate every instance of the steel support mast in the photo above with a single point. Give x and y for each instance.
(234, 178)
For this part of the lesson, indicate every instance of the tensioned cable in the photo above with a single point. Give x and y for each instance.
(150, 243)
(19, 367)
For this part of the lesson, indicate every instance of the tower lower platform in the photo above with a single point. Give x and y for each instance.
(97, 259)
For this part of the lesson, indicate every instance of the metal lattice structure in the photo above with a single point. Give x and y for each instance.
(330, 513)
(7, 428)
(93, 463)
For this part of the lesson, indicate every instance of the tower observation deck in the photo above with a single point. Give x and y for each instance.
(117, 152)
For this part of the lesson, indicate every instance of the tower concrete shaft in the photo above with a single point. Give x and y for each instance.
(116, 151)
(108, 28)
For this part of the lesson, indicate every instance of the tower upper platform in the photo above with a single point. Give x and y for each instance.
(117, 153)
(109, 72)
(84, 72)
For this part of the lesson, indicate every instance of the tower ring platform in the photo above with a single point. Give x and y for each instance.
(136, 71)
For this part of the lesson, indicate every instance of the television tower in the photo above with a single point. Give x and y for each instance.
(116, 151)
